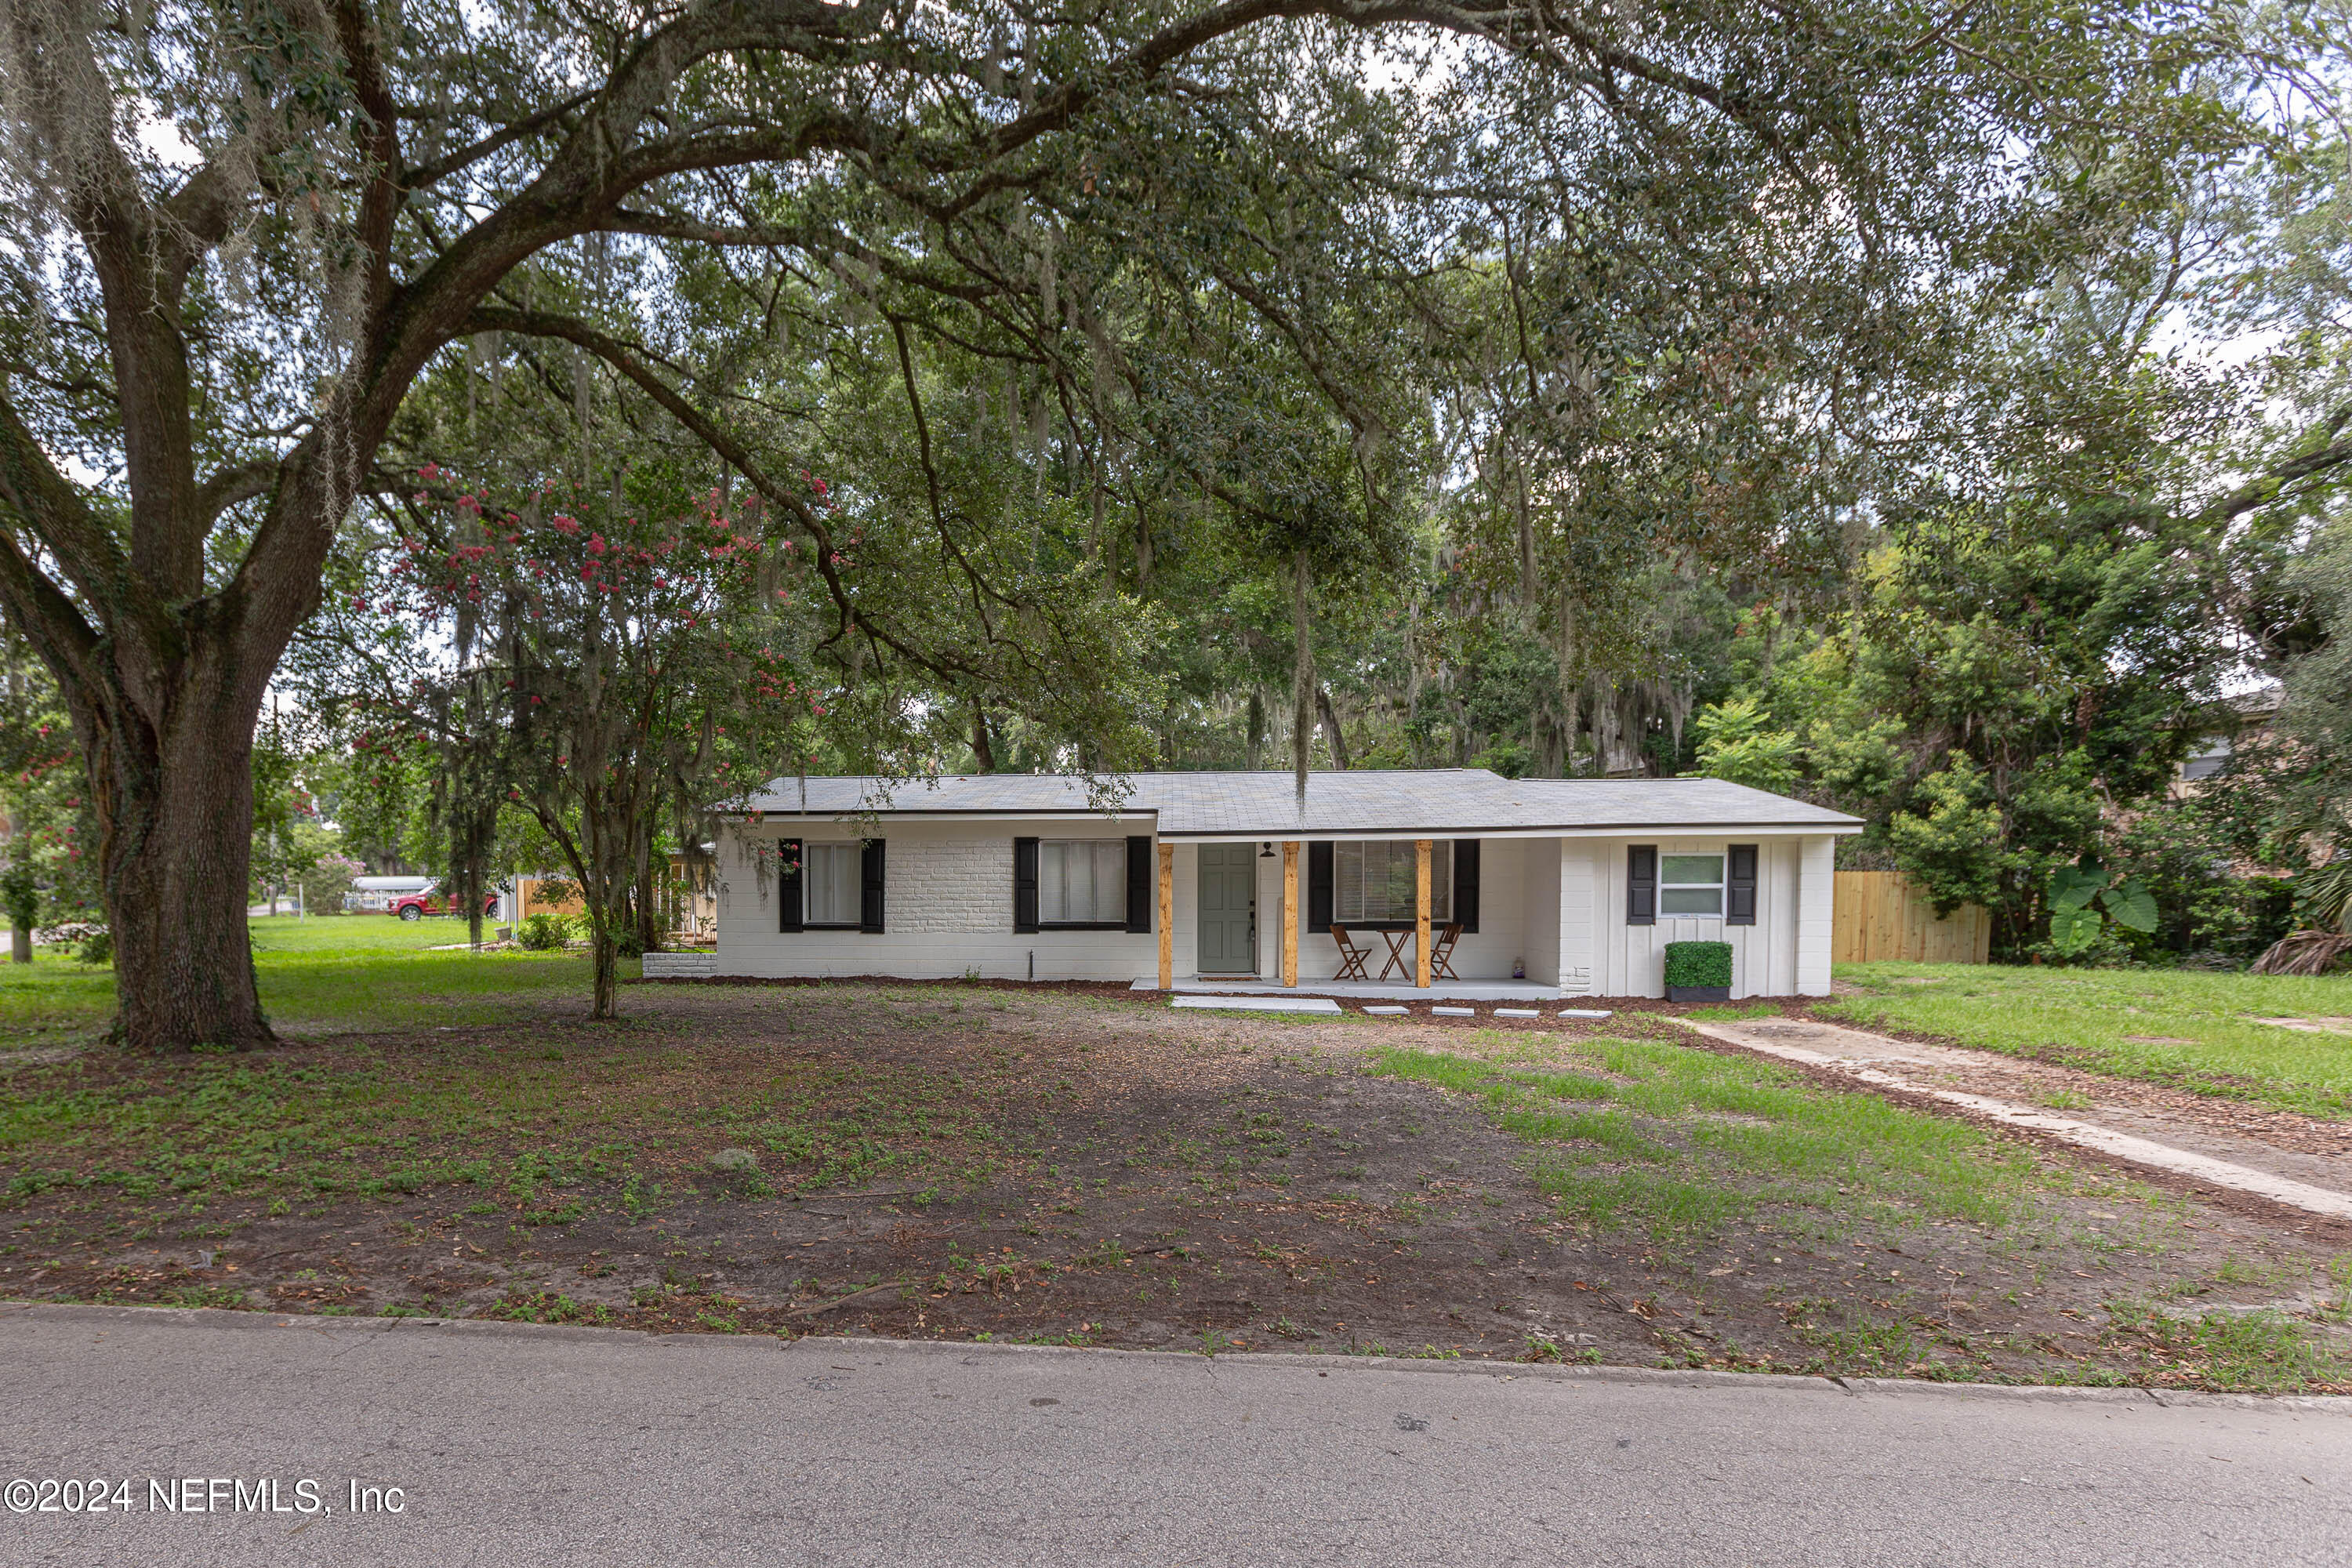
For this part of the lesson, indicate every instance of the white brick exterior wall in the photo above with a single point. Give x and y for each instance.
(949, 885)
(948, 912)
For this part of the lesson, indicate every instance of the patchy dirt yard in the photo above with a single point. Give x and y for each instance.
(1050, 1164)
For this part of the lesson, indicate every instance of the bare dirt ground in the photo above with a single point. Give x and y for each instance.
(963, 1162)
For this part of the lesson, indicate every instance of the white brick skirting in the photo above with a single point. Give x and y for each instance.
(680, 965)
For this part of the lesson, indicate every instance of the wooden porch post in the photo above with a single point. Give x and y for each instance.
(1290, 912)
(1421, 913)
(1167, 916)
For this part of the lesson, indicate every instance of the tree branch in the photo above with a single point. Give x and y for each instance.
(628, 362)
(238, 482)
(45, 505)
(2266, 487)
(424, 175)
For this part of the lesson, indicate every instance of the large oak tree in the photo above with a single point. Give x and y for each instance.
(238, 231)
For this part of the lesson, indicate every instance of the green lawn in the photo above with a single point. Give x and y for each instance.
(324, 973)
(1713, 1156)
(2191, 1028)
(1678, 1143)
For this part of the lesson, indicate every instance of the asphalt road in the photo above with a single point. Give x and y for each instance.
(515, 1445)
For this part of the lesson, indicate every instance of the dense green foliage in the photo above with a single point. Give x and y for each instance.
(1817, 396)
(1699, 964)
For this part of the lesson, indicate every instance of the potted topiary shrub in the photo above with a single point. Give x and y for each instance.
(1698, 972)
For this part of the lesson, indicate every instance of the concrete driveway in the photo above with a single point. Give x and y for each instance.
(516, 1444)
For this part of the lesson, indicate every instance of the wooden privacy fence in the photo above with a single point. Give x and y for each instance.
(1880, 915)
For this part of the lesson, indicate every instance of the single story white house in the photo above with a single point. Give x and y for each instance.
(1230, 881)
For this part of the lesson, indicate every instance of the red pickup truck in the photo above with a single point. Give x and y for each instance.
(431, 902)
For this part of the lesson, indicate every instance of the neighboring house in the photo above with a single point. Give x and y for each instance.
(686, 899)
(2255, 709)
(683, 898)
(1228, 880)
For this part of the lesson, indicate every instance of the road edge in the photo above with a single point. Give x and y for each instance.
(65, 1312)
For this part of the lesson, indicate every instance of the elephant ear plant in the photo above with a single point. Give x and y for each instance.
(2075, 924)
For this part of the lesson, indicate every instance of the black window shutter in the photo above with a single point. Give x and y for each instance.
(788, 884)
(869, 901)
(1319, 886)
(1642, 884)
(1739, 887)
(1024, 884)
(1466, 884)
(1140, 882)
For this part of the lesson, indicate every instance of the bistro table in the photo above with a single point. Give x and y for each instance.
(1399, 935)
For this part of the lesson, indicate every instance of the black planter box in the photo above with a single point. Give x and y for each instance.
(1699, 992)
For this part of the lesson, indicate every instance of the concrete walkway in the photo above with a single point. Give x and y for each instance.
(510, 1444)
(2315, 1184)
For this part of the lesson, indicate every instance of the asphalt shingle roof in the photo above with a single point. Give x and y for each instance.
(1439, 801)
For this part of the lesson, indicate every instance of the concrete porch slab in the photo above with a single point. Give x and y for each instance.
(1260, 1004)
(1361, 990)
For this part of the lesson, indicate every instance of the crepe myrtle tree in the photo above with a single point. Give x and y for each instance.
(613, 667)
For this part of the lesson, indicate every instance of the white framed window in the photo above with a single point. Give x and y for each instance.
(1376, 880)
(1082, 881)
(831, 881)
(1690, 885)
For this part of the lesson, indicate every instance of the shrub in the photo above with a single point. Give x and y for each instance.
(98, 947)
(20, 896)
(1699, 964)
(544, 933)
(327, 886)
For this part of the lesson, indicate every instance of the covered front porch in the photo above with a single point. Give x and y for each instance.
(1376, 916)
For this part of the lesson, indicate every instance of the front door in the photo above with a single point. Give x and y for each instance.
(1228, 910)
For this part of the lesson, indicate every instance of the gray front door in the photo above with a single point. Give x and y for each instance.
(1228, 910)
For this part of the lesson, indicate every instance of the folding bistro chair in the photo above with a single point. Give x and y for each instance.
(1440, 951)
(1351, 957)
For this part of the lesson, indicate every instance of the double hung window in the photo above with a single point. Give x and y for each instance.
(1082, 881)
(1374, 881)
(1690, 884)
(830, 884)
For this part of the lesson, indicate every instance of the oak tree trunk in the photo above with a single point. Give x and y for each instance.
(175, 802)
